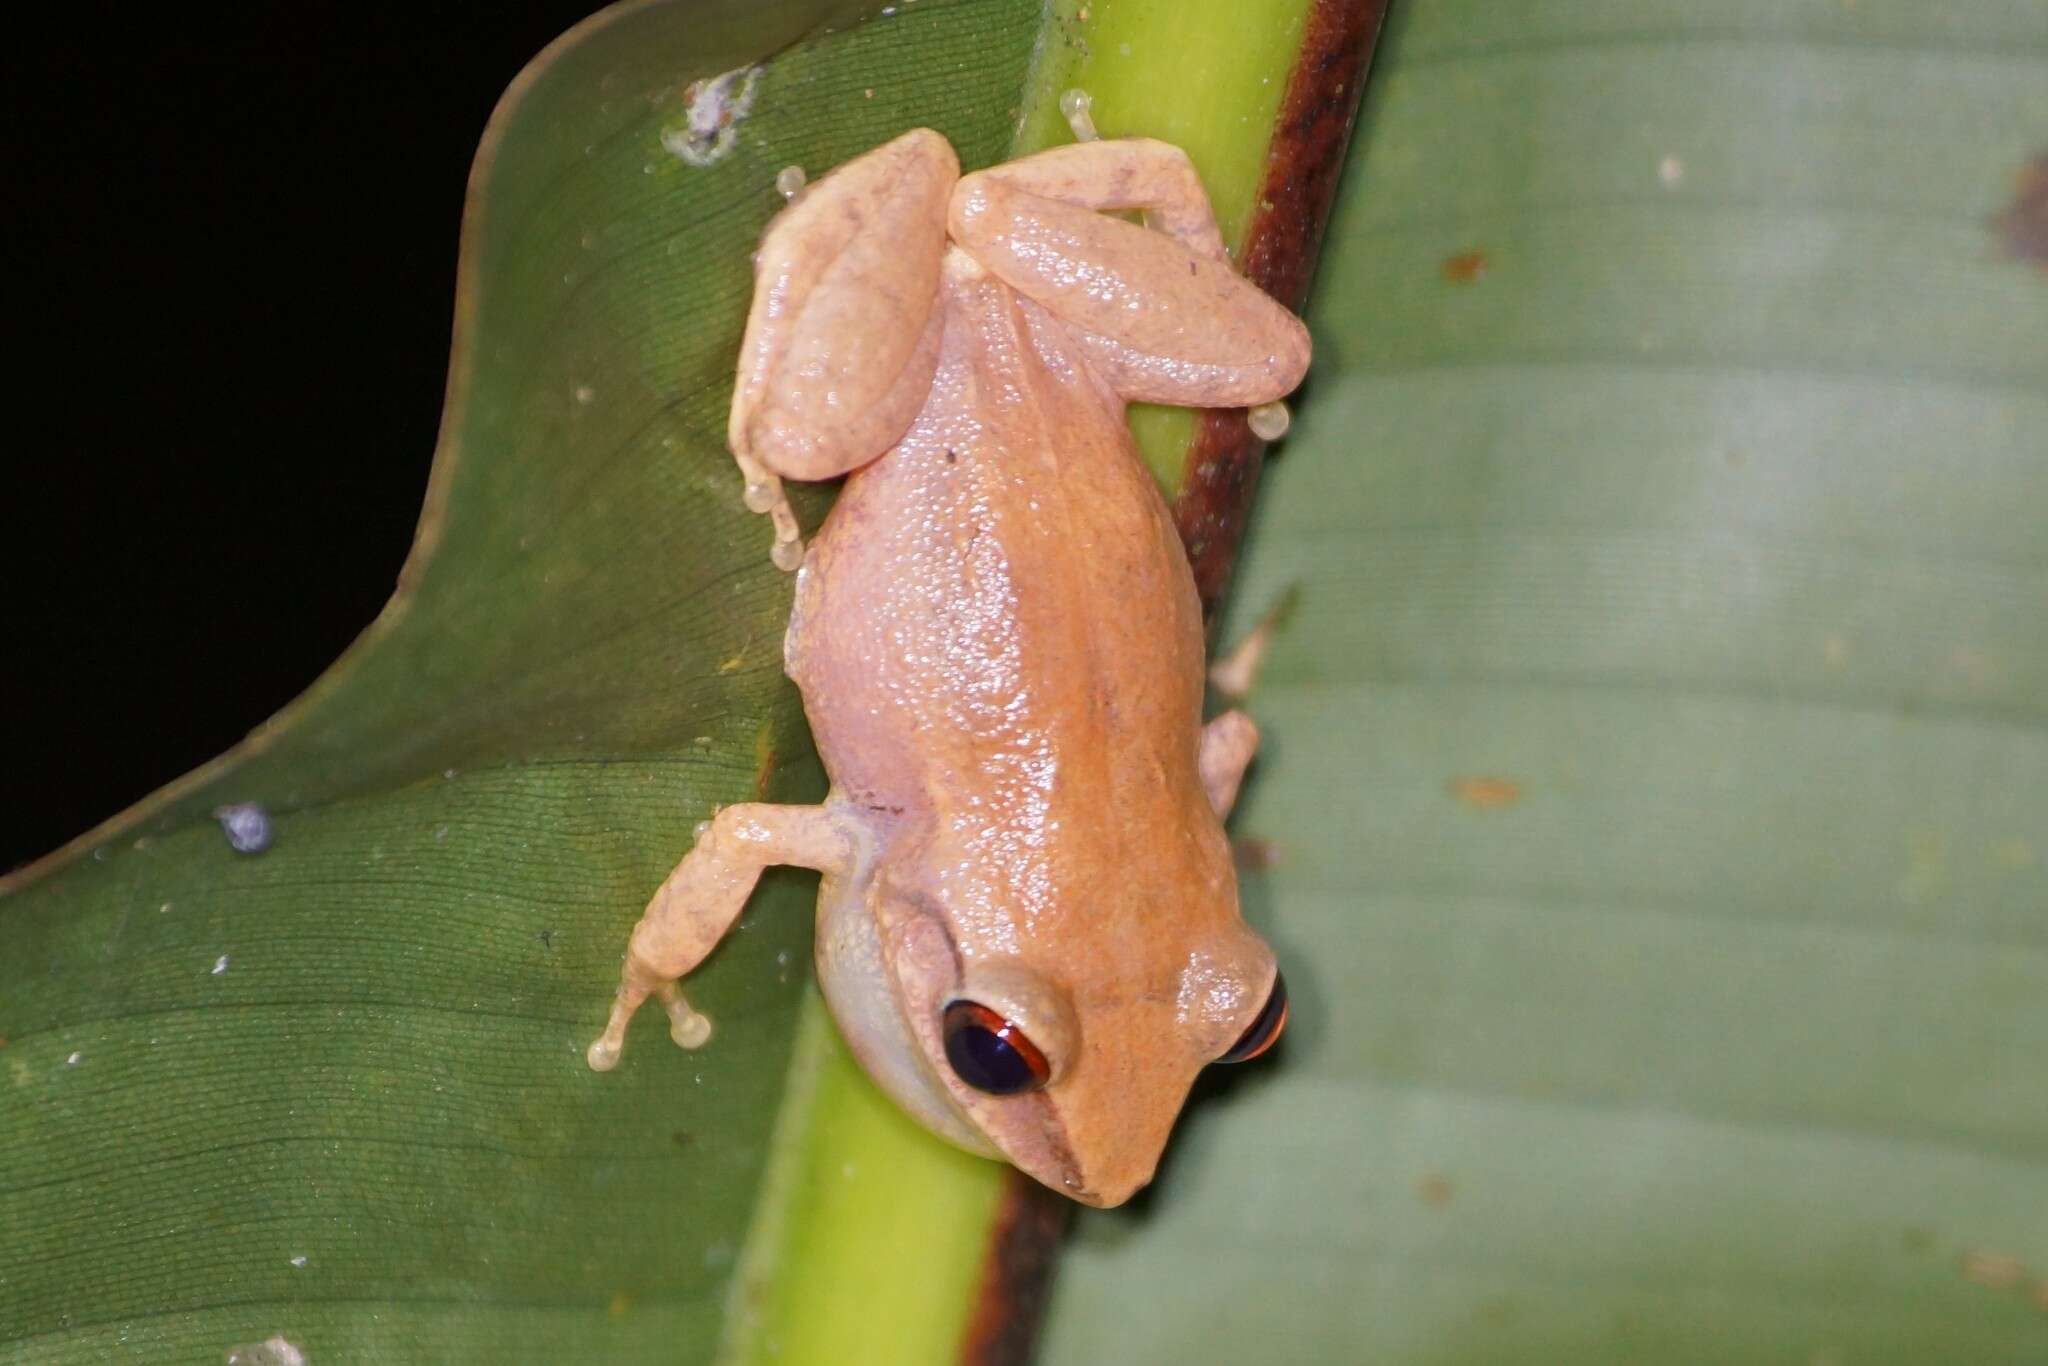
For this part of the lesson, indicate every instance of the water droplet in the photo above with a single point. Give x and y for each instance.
(1269, 421)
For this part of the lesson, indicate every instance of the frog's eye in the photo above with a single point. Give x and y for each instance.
(991, 1054)
(1264, 1031)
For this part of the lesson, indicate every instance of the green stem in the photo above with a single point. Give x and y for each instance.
(1206, 75)
(871, 1239)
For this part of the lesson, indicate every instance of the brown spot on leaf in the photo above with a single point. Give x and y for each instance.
(1435, 1190)
(1486, 793)
(1993, 1270)
(2023, 227)
(1255, 855)
(1499, 1309)
(1466, 266)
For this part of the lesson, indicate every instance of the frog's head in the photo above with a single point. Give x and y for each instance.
(1073, 1065)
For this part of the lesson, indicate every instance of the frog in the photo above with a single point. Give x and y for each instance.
(1028, 922)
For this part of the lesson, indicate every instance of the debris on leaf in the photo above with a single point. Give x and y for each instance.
(273, 1351)
(712, 109)
(247, 826)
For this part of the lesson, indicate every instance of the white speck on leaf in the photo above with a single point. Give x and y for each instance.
(247, 826)
(74, 1060)
(220, 965)
(272, 1351)
(1670, 170)
(713, 108)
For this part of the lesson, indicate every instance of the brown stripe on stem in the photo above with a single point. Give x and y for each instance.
(1279, 256)
(1016, 1276)
(1222, 473)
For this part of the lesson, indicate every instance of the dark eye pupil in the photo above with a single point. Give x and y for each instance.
(989, 1053)
(1263, 1032)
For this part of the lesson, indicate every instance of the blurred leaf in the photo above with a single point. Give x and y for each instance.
(1654, 812)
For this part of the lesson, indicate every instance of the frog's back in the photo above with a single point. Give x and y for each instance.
(996, 632)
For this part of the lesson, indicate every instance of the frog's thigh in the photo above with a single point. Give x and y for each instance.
(1202, 334)
(1111, 176)
(1228, 744)
(699, 901)
(843, 335)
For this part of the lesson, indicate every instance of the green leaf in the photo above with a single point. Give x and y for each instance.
(335, 1090)
(1654, 811)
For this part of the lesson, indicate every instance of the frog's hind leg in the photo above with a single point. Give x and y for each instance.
(1159, 309)
(699, 901)
(843, 335)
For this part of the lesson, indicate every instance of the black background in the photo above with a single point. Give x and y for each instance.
(233, 238)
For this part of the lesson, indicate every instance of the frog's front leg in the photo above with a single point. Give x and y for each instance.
(1160, 311)
(698, 903)
(843, 336)
(1228, 744)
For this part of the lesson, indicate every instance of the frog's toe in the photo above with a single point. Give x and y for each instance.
(689, 1027)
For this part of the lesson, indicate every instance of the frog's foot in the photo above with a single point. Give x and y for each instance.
(765, 494)
(1228, 744)
(698, 903)
(689, 1027)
